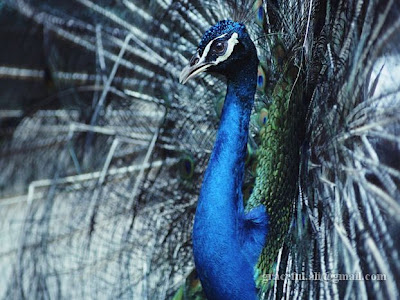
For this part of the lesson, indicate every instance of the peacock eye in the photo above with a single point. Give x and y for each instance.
(219, 47)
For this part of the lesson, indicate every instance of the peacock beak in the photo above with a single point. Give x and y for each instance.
(192, 70)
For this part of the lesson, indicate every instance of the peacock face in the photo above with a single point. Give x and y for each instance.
(223, 48)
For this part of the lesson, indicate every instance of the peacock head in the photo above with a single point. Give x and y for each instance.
(226, 48)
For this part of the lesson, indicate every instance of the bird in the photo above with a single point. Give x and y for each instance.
(110, 165)
(221, 226)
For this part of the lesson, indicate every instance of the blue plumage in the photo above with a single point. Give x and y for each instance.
(224, 26)
(226, 241)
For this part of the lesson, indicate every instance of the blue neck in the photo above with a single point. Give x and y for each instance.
(224, 269)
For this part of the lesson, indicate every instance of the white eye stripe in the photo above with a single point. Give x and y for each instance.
(233, 40)
(208, 47)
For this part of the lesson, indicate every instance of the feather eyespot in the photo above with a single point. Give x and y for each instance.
(186, 166)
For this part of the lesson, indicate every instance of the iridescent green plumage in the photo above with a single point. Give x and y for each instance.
(278, 158)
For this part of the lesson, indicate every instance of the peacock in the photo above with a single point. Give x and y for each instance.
(221, 227)
(273, 174)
